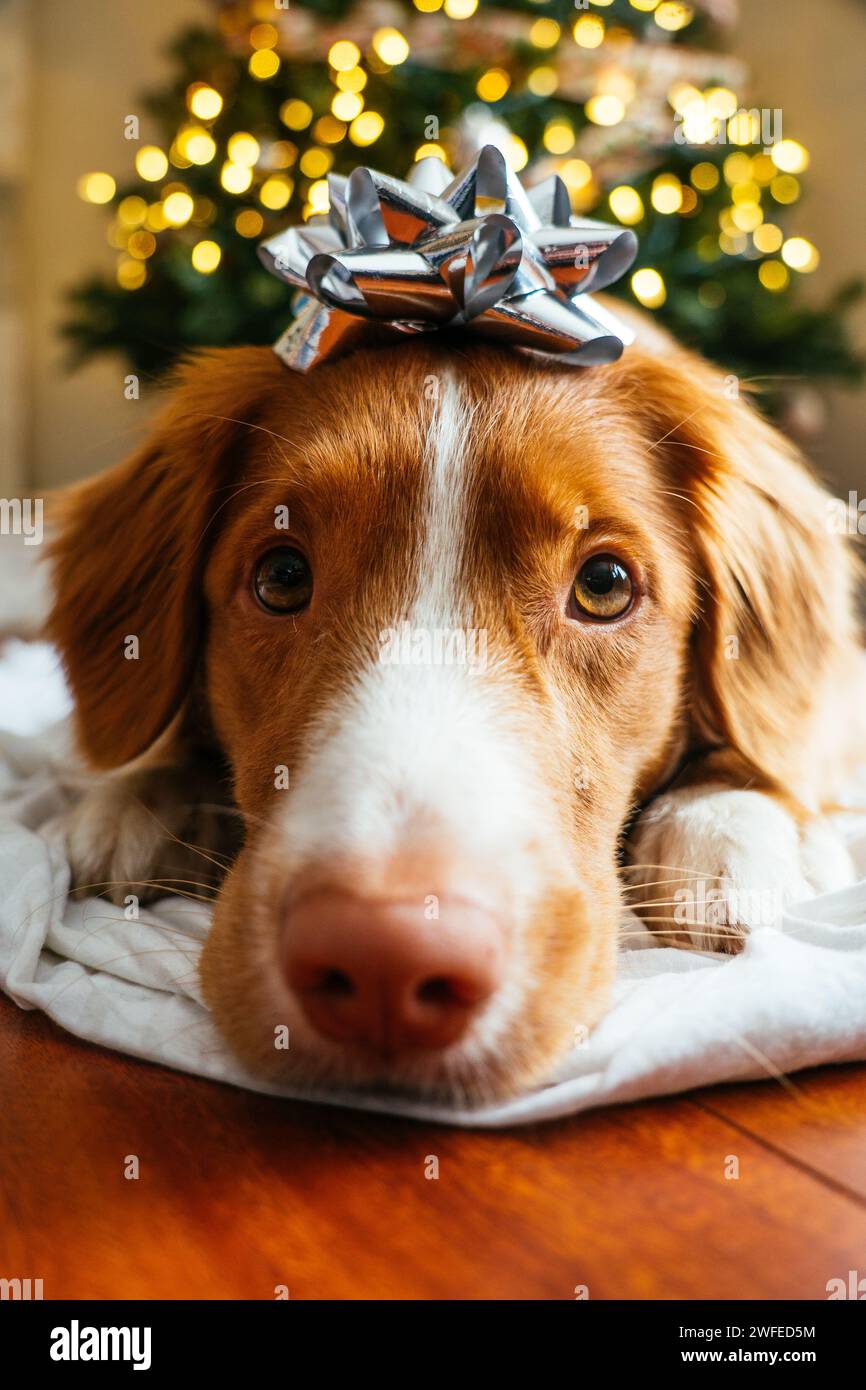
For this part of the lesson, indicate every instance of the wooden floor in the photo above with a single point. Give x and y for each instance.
(238, 1194)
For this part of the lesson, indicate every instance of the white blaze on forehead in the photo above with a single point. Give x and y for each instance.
(425, 750)
(447, 458)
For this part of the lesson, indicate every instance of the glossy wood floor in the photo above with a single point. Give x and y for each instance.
(238, 1194)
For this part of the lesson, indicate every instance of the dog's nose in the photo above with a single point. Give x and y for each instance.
(385, 976)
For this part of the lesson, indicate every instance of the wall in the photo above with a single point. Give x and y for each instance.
(90, 59)
(808, 58)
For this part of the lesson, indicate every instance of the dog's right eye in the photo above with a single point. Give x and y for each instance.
(284, 580)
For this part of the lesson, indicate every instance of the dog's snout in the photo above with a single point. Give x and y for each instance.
(384, 976)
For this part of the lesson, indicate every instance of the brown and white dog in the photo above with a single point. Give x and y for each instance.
(447, 625)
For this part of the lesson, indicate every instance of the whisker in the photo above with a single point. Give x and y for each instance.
(653, 902)
(677, 868)
(185, 844)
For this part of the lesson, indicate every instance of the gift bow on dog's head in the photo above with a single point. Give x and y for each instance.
(479, 253)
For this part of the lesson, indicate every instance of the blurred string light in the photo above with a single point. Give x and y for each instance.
(243, 148)
(131, 211)
(542, 81)
(768, 238)
(683, 97)
(747, 217)
(141, 245)
(589, 31)
(790, 156)
(391, 46)
(350, 80)
(296, 114)
(264, 64)
(763, 169)
(705, 177)
(667, 194)
(196, 144)
(545, 33)
(276, 191)
(319, 196)
(626, 205)
(516, 153)
(431, 150)
(558, 136)
(235, 178)
(206, 256)
(672, 16)
(737, 168)
(427, 6)
(605, 109)
(131, 274)
(96, 188)
(649, 288)
(315, 162)
(493, 84)
(249, 223)
(151, 163)
(785, 189)
(177, 208)
(347, 105)
(800, 254)
(263, 36)
(344, 55)
(721, 102)
(204, 101)
(329, 130)
(773, 275)
(576, 174)
(460, 9)
(366, 128)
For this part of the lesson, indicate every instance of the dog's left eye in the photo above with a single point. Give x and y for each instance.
(603, 588)
(284, 580)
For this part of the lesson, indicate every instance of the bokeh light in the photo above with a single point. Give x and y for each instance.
(206, 256)
(626, 204)
(649, 287)
(96, 188)
(151, 163)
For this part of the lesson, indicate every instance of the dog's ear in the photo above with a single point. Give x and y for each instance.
(129, 550)
(775, 625)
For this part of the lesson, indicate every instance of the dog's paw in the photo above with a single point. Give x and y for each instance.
(147, 833)
(707, 866)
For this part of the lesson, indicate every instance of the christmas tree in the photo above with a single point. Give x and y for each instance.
(637, 104)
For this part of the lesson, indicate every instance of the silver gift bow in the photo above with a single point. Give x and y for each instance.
(479, 252)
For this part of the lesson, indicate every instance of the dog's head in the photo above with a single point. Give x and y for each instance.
(451, 617)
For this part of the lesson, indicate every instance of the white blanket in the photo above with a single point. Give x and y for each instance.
(796, 997)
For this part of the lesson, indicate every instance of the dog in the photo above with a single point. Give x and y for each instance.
(428, 664)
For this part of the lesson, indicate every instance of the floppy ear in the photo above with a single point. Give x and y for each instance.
(130, 549)
(776, 626)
